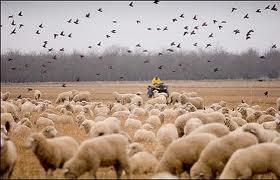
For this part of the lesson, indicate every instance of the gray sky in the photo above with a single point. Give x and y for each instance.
(91, 30)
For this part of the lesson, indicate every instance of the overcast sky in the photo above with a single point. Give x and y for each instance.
(54, 15)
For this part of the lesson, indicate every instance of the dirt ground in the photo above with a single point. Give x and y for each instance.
(233, 92)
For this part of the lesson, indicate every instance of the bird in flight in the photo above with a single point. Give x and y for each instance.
(62, 33)
(107, 36)
(63, 85)
(179, 45)
(233, 9)
(20, 26)
(37, 32)
(258, 10)
(196, 27)
(156, 1)
(211, 35)
(204, 24)
(220, 27)
(87, 15)
(223, 22)
(236, 31)
(266, 93)
(174, 20)
(274, 8)
(165, 29)
(99, 44)
(208, 45)
(182, 16)
(138, 45)
(195, 44)
(273, 46)
(69, 21)
(186, 32)
(267, 7)
(173, 44)
(51, 49)
(113, 31)
(215, 21)
(138, 21)
(195, 18)
(13, 23)
(114, 21)
(246, 16)
(171, 50)
(10, 16)
(41, 26)
(20, 13)
(216, 69)
(55, 35)
(77, 21)
(192, 32)
(14, 31)
(131, 4)
(262, 57)
(70, 35)
(100, 10)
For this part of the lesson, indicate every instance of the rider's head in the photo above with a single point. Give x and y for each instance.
(156, 77)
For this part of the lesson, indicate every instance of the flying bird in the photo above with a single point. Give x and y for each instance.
(62, 33)
(186, 27)
(262, 57)
(14, 31)
(69, 21)
(158, 29)
(258, 10)
(220, 27)
(160, 54)
(195, 18)
(54, 57)
(114, 21)
(192, 32)
(37, 32)
(246, 16)
(11, 16)
(165, 29)
(13, 68)
(87, 15)
(51, 49)
(89, 47)
(215, 21)
(182, 16)
(138, 21)
(131, 4)
(44, 46)
(113, 31)
(273, 46)
(233, 9)
(107, 36)
(62, 49)
(216, 69)
(55, 35)
(20, 26)
(223, 22)
(41, 26)
(63, 85)
(267, 7)
(156, 1)
(266, 93)
(129, 51)
(236, 31)
(146, 61)
(70, 35)
(13, 23)
(208, 45)
(196, 27)
(186, 32)
(204, 24)
(99, 44)
(179, 45)
(149, 29)
(274, 8)
(82, 56)
(160, 67)
(100, 10)
(20, 13)
(10, 59)
(195, 44)
(19, 97)
(171, 50)
(209, 61)
(138, 45)
(145, 50)
(211, 35)
(77, 21)
(248, 37)
(29, 89)
(174, 20)
(249, 32)
(172, 44)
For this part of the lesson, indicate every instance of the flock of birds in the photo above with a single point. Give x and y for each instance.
(187, 31)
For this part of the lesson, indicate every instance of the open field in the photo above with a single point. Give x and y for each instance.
(233, 92)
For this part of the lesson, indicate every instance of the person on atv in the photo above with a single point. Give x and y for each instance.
(156, 81)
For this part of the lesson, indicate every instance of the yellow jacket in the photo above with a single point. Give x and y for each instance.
(156, 81)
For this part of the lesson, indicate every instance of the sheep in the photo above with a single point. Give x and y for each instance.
(52, 153)
(82, 96)
(143, 163)
(157, 100)
(191, 125)
(87, 125)
(64, 96)
(3, 129)
(148, 127)
(214, 117)
(164, 175)
(5, 96)
(144, 135)
(154, 112)
(8, 157)
(183, 153)
(272, 125)
(27, 107)
(174, 97)
(108, 126)
(6, 117)
(263, 135)
(98, 152)
(276, 140)
(215, 155)
(166, 134)
(37, 94)
(79, 119)
(118, 107)
(64, 119)
(161, 107)
(26, 122)
(139, 112)
(271, 111)
(49, 132)
(155, 121)
(99, 118)
(132, 123)
(239, 121)
(137, 100)
(278, 104)
(190, 94)
(231, 124)
(259, 158)
(134, 148)
(121, 114)
(265, 118)
(42, 122)
(10, 108)
(253, 118)
(198, 102)
(216, 129)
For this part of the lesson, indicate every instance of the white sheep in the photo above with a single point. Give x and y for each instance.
(167, 134)
(215, 155)
(42, 122)
(164, 175)
(139, 112)
(174, 97)
(144, 135)
(82, 96)
(148, 127)
(231, 124)
(108, 126)
(214, 117)
(157, 100)
(143, 163)
(64, 96)
(27, 108)
(132, 123)
(198, 102)
(265, 118)
(271, 111)
(263, 135)
(154, 112)
(87, 125)
(98, 152)
(253, 117)
(155, 121)
(272, 125)
(134, 148)
(8, 157)
(191, 125)
(137, 100)
(10, 108)
(5, 96)
(37, 94)
(52, 153)
(49, 132)
(121, 114)
(259, 158)
(183, 153)
(216, 129)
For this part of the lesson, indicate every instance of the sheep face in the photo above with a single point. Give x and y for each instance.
(134, 148)
(69, 175)
(49, 132)
(201, 171)
(32, 141)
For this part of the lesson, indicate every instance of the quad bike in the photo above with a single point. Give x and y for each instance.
(160, 88)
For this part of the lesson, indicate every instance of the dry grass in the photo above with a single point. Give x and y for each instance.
(212, 91)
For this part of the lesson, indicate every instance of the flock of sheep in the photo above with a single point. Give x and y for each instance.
(205, 142)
